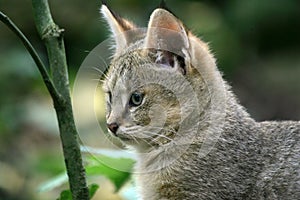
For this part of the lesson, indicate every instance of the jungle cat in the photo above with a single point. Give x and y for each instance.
(166, 99)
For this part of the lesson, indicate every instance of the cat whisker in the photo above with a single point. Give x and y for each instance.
(101, 73)
(132, 128)
(99, 57)
(170, 129)
(154, 140)
(143, 138)
(134, 139)
(95, 79)
(102, 81)
(140, 138)
(147, 142)
(141, 133)
(162, 136)
(99, 80)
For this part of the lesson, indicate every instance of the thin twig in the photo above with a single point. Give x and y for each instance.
(48, 82)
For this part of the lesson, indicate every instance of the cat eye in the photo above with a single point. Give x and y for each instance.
(136, 99)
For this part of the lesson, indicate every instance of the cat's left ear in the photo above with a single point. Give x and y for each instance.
(119, 28)
(168, 36)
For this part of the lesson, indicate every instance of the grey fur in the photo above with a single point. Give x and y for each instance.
(249, 160)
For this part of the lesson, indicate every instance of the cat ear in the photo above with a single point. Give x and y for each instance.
(167, 34)
(118, 27)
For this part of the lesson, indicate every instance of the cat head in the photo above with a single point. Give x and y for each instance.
(153, 86)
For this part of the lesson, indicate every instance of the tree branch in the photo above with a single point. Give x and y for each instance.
(53, 38)
(59, 90)
(48, 82)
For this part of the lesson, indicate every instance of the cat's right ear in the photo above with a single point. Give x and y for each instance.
(168, 38)
(118, 27)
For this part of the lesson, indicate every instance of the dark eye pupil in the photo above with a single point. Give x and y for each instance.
(136, 99)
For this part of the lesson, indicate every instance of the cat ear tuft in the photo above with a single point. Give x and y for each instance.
(163, 5)
(118, 26)
(104, 2)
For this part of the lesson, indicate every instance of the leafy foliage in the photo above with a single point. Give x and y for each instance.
(67, 195)
(93, 189)
(96, 165)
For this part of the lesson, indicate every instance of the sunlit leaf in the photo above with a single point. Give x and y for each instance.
(93, 189)
(53, 183)
(65, 195)
(98, 166)
(108, 152)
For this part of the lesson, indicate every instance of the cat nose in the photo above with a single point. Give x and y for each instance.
(113, 127)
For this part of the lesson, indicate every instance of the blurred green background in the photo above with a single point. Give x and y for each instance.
(256, 43)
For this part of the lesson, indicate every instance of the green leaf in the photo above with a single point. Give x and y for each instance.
(53, 183)
(93, 189)
(65, 195)
(108, 152)
(103, 165)
(115, 165)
